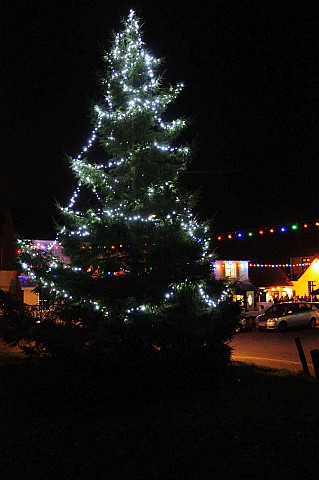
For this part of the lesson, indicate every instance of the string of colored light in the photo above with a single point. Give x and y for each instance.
(248, 233)
(281, 265)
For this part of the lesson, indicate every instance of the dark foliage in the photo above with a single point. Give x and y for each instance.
(181, 343)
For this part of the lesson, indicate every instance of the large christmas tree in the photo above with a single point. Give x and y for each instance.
(136, 263)
(129, 232)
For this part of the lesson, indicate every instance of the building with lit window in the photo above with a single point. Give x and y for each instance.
(306, 278)
(24, 223)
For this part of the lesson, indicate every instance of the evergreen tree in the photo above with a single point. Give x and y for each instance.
(129, 229)
(129, 232)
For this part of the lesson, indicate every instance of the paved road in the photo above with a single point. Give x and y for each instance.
(276, 350)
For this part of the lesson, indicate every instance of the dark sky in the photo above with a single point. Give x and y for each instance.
(251, 87)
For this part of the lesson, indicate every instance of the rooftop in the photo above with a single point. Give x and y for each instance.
(267, 277)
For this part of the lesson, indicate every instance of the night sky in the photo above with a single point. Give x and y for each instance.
(251, 89)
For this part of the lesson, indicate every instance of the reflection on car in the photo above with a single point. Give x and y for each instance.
(288, 315)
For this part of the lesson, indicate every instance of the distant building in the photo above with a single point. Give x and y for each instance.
(269, 283)
(24, 223)
(254, 287)
(272, 282)
(236, 272)
(307, 280)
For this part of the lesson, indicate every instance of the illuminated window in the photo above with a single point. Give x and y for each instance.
(311, 286)
(230, 269)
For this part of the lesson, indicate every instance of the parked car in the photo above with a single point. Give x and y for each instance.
(316, 304)
(288, 315)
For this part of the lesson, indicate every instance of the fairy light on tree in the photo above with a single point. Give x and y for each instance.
(128, 230)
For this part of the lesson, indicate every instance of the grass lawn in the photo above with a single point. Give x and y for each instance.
(248, 423)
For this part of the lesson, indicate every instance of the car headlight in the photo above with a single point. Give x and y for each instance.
(273, 319)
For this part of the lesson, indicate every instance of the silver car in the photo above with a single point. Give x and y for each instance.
(288, 315)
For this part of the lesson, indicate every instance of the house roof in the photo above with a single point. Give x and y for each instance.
(244, 286)
(269, 277)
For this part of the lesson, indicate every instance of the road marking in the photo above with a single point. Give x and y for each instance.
(238, 357)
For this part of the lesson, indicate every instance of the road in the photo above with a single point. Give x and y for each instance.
(270, 349)
(274, 349)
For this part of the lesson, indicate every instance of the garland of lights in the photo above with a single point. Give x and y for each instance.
(280, 265)
(263, 231)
